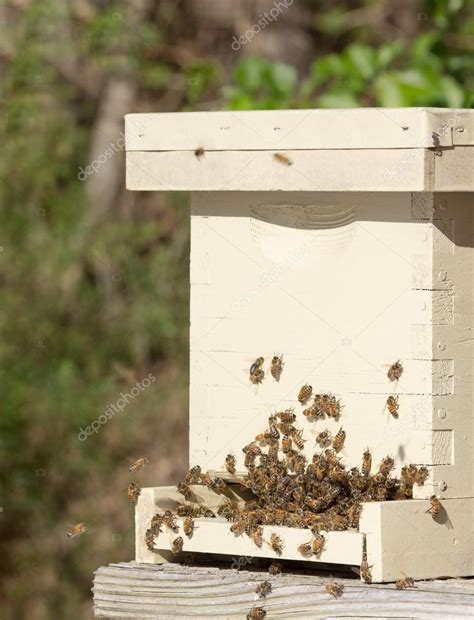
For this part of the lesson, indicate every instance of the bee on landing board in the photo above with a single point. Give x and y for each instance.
(435, 507)
(365, 571)
(317, 544)
(334, 589)
(188, 526)
(395, 371)
(133, 492)
(276, 367)
(177, 546)
(276, 543)
(193, 476)
(138, 464)
(392, 406)
(305, 393)
(339, 439)
(256, 613)
(77, 530)
(263, 588)
(323, 439)
(230, 463)
(305, 549)
(406, 582)
(281, 158)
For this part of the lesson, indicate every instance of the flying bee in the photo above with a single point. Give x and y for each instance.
(133, 492)
(421, 476)
(392, 406)
(276, 543)
(169, 520)
(177, 545)
(305, 393)
(395, 371)
(297, 437)
(275, 568)
(150, 539)
(257, 365)
(287, 416)
(276, 367)
(188, 526)
(281, 158)
(406, 582)
(230, 463)
(366, 462)
(77, 530)
(305, 548)
(317, 544)
(199, 152)
(256, 534)
(435, 508)
(138, 464)
(193, 476)
(184, 489)
(338, 440)
(334, 589)
(263, 588)
(285, 444)
(256, 613)
(323, 439)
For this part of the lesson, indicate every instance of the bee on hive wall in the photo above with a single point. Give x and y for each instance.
(435, 507)
(256, 373)
(338, 441)
(276, 367)
(177, 546)
(395, 371)
(230, 463)
(305, 393)
(194, 474)
(392, 406)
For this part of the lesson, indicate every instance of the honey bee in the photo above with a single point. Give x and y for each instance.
(169, 520)
(305, 393)
(256, 613)
(194, 474)
(317, 544)
(156, 523)
(184, 489)
(386, 466)
(421, 476)
(272, 433)
(276, 367)
(435, 508)
(275, 568)
(256, 534)
(353, 514)
(218, 484)
(77, 530)
(281, 158)
(199, 152)
(230, 463)
(365, 572)
(392, 406)
(366, 462)
(177, 545)
(334, 589)
(276, 543)
(408, 474)
(395, 371)
(188, 526)
(297, 437)
(333, 408)
(263, 588)
(138, 464)
(273, 451)
(310, 412)
(287, 416)
(305, 548)
(238, 527)
(323, 439)
(255, 367)
(133, 492)
(338, 440)
(150, 539)
(406, 582)
(285, 444)
(257, 377)
(189, 559)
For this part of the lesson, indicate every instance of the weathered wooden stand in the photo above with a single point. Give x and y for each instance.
(344, 240)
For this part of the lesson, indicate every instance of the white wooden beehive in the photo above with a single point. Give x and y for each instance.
(358, 254)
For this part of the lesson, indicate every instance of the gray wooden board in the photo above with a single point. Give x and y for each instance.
(130, 590)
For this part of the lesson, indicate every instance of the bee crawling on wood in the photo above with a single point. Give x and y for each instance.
(334, 589)
(133, 492)
(366, 462)
(281, 158)
(263, 588)
(317, 544)
(435, 507)
(199, 152)
(256, 534)
(276, 367)
(393, 406)
(188, 526)
(339, 439)
(150, 539)
(421, 476)
(184, 489)
(406, 582)
(275, 568)
(156, 523)
(256, 613)
(170, 520)
(305, 549)
(230, 463)
(395, 371)
(365, 571)
(305, 393)
(194, 474)
(177, 545)
(77, 530)
(137, 464)
(276, 543)
(256, 374)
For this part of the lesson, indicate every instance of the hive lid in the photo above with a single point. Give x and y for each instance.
(378, 149)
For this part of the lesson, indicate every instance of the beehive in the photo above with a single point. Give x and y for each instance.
(342, 239)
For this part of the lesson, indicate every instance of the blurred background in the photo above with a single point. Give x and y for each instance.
(94, 279)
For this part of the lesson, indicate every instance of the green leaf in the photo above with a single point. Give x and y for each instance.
(452, 92)
(249, 73)
(389, 93)
(337, 99)
(282, 78)
(361, 60)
